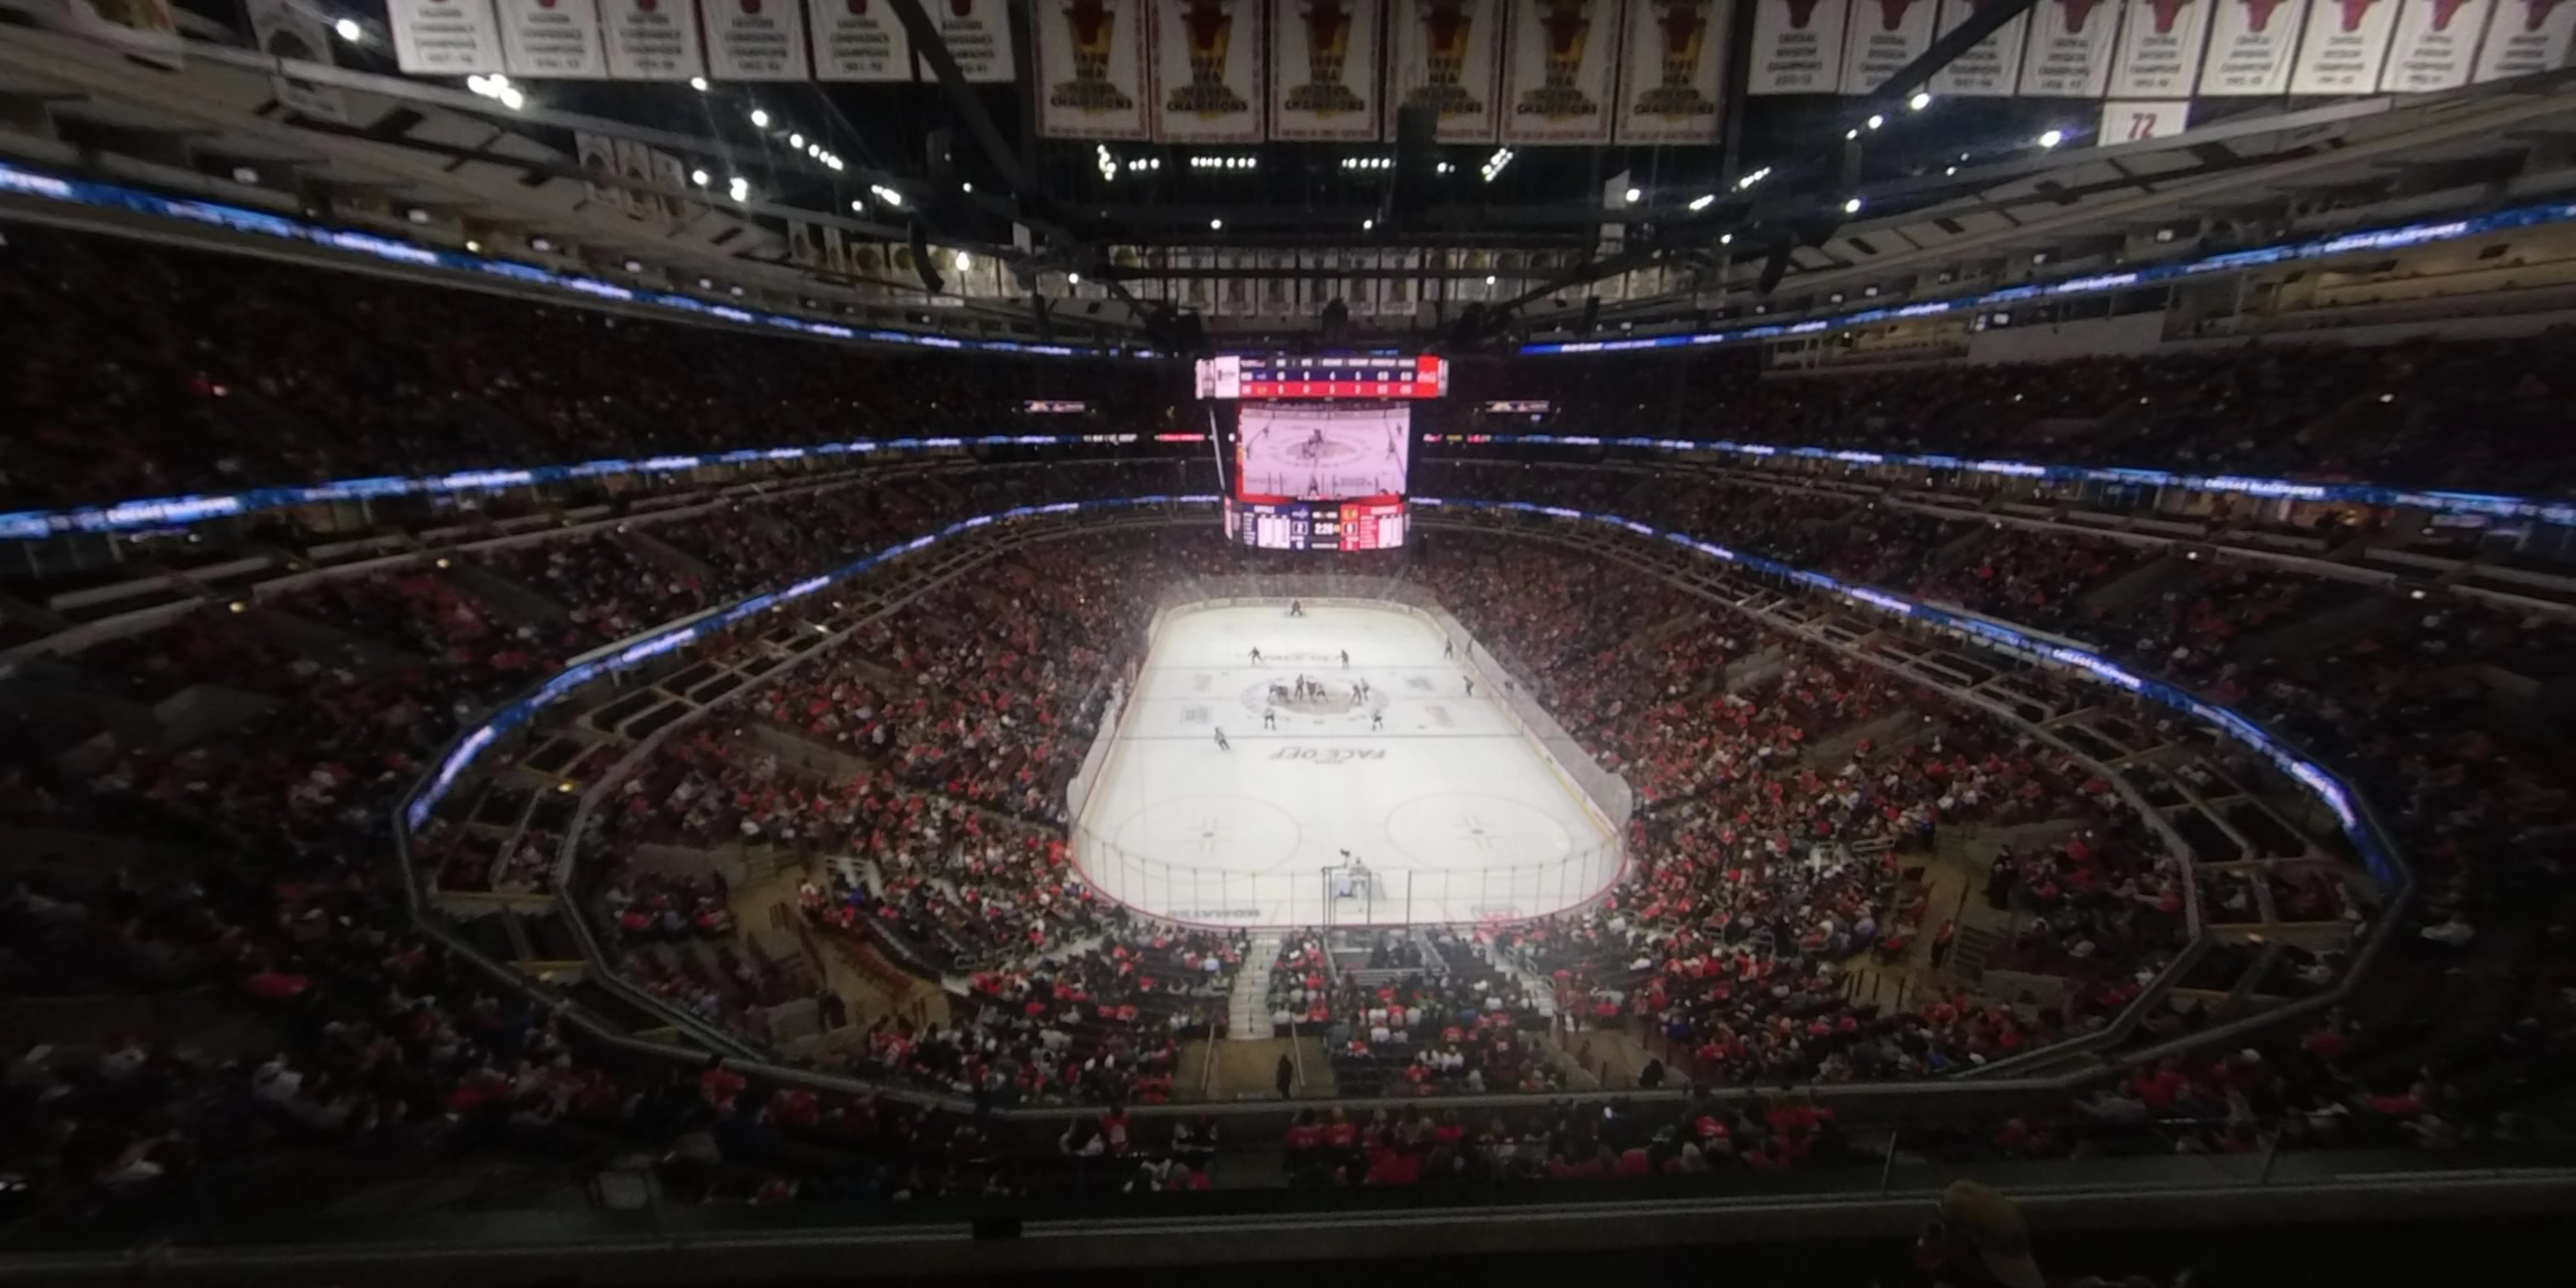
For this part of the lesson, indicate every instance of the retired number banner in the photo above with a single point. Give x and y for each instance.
(1669, 87)
(1558, 67)
(1324, 57)
(1208, 73)
(1091, 69)
(1445, 52)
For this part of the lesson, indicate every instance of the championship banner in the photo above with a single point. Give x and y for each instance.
(858, 40)
(2251, 44)
(652, 39)
(1990, 70)
(635, 166)
(1445, 51)
(2347, 41)
(1558, 61)
(558, 38)
(1797, 47)
(1090, 69)
(1669, 87)
(2526, 36)
(1324, 56)
(978, 33)
(1209, 82)
(444, 37)
(1882, 37)
(284, 31)
(2160, 48)
(2434, 45)
(673, 176)
(756, 40)
(2070, 49)
(598, 156)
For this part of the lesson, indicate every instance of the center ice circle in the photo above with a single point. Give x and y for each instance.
(1474, 829)
(1218, 833)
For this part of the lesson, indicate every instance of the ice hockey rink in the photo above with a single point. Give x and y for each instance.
(1454, 813)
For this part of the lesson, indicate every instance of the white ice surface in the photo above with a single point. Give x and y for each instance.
(1458, 815)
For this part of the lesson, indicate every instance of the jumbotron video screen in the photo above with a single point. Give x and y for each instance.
(1321, 451)
(1320, 476)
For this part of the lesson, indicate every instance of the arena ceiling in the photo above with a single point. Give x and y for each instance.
(1961, 193)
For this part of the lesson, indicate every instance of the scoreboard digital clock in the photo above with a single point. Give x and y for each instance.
(1308, 525)
(1239, 376)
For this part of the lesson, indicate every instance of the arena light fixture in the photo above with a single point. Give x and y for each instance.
(1950, 171)
(1852, 133)
(1876, 120)
(760, 118)
(795, 140)
(1216, 225)
(1073, 279)
(1633, 196)
(1726, 239)
(541, 244)
(1490, 279)
(965, 260)
(2051, 138)
(700, 177)
(1851, 205)
(473, 247)
(348, 29)
(635, 266)
(1368, 225)
(244, 174)
(858, 207)
(1922, 99)
(698, 83)
(738, 188)
(1703, 202)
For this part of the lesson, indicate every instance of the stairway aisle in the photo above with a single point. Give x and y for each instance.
(1248, 1010)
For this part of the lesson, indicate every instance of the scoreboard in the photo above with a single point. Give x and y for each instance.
(1238, 376)
(1311, 525)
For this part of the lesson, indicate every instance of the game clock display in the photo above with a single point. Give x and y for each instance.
(1305, 525)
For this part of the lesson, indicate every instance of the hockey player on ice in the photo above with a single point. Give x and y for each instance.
(1221, 743)
(1256, 657)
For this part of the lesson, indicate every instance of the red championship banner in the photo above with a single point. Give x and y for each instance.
(1797, 47)
(1558, 65)
(859, 40)
(2526, 36)
(1445, 56)
(557, 38)
(2251, 43)
(444, 37)
(2346, 44)
(1324, 56)
(2434, 46)
(1091, 69)
(756, 40)
(2160, 48)
(1208, 71)
(1882, 37)
(1990, 70)
(652, 39)
(1669, 86)
(2069, 54)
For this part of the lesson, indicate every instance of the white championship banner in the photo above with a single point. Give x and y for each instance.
(444, 37)
(1091, 70)
(652, 39)
(2069, 53)
(756, 40)
(2251, 45)
(2434, 45)
(1882, 37)
(1209, 78)
(1797, 47)
(558, 38)
(2526, 36)
(1670, 82)
(2160, 48)
(2346, 42)
(859, 40)
(978, 36)
(1560, 62)
(285, 31)
(1989, 70)
(1324, 58)
(1445, 55)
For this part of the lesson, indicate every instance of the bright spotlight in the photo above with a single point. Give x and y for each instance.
(1367, 225)
(698, 83)
(760, 118)
(2052, 138)
(1703, 202)
(1876, 120)
(1490, 279)
(1215, 225)
(700, 177)
(1851, 206)
(965, 260)
(796, 140)
(1920, 101)
(1073, 279)
(1633, 195)
(349, 30)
